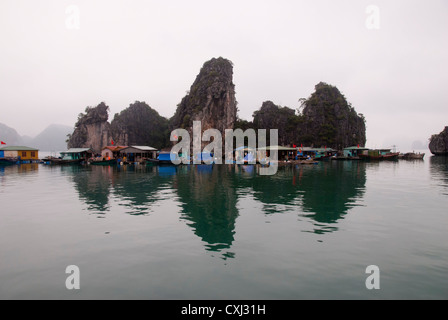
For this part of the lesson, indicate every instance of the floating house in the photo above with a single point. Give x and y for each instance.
(77, 154)
(355, 152)
(139, 153)
(20, 153)
(315, 153)
(112, 152)
(284, 153)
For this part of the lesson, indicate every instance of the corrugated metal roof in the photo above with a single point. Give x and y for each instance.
(77, 150)
(18, 148)
(115, 148)
(356, 148)
(144, 148)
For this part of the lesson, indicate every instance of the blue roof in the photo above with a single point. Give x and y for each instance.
(164, 156)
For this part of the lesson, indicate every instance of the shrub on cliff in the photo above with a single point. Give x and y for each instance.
(330, 120)
(139, 124)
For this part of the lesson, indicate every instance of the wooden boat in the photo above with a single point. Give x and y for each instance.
(413, 156)
(308, 161)
(379, 154)
(342, 158)
(164, 158)
(7, 161)
(52, 160)
(151, 162)
(389, 156)
(110, 162)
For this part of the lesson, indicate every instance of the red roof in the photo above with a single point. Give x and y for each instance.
(114, 148)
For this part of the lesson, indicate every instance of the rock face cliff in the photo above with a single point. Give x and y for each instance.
(329, 120)
(438, 143)
(140, 125)
(211, 99)
(92, 130)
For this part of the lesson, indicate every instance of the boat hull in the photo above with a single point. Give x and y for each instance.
(7, 162)
(413, 156)
(390, 156)
(104, 163)
(63, 162)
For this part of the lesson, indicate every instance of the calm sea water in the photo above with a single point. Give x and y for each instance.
(225, 232)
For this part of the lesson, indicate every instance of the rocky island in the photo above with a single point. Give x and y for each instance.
(438, 143)
(211, 99)
(325, 119)
(92, 130)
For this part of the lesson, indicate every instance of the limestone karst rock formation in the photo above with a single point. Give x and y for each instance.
(92, 130)
(438, 143)
(211, 99)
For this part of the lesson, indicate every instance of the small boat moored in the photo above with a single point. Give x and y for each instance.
(413, 156)
(108, 162)
(8, 161)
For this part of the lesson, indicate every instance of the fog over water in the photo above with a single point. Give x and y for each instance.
(387, 58)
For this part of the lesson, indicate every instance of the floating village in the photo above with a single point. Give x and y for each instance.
(139, 133)
(146, 155)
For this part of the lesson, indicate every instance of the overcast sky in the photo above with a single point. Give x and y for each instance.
(59, 56)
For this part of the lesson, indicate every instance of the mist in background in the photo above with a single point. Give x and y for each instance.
(387, 57)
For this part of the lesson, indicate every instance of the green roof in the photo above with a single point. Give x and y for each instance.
(356, 148)
(18, 148)
(76, 150)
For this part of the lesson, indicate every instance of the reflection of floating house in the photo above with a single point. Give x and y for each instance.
(20, 153)
(139, 153)
(244, 154)
(205, 157)
(112, 152)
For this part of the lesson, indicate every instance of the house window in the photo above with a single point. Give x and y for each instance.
(33, 154)
(24, 154)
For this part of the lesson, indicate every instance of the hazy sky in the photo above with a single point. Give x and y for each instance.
(57, 57)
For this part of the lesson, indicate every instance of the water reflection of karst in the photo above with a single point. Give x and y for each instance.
(439, 171)
(277, 192)
(137, 188)
(330, 193)
(93, 185)
(323, 192)
(208, 200)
